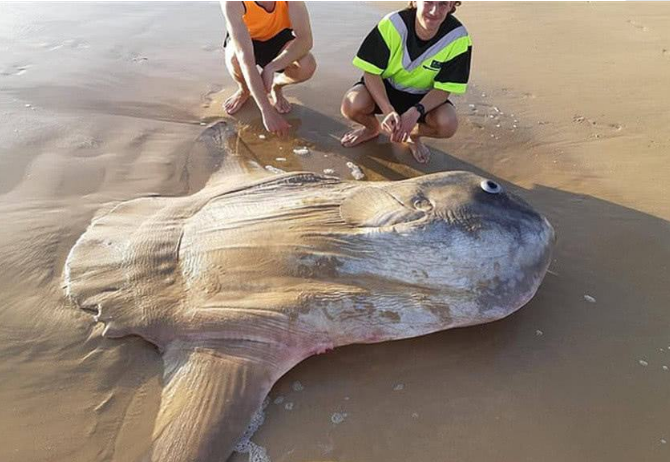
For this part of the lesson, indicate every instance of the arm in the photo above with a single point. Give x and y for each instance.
(303, 41)
(410, 118)
(244, 51)
(372, 58)
(377, 90)
(433, 99)
(375, 86)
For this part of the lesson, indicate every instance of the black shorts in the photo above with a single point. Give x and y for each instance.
(400, 100)
(266, 51)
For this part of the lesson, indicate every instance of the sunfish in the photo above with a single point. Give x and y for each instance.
(241, 281)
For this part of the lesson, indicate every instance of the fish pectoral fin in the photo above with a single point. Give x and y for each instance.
(374, 207)
(238, 163)
(210, 393)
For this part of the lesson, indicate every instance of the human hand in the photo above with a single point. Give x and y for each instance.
(274, 122)
(268, 77)
(404, 128)
(390, 122)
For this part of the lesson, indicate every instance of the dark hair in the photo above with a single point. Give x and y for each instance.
(412, 6)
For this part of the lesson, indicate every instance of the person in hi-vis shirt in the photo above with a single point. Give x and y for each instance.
(412, 61)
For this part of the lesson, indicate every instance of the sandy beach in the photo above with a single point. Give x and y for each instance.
(567, 106)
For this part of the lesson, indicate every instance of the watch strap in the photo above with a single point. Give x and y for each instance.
(421, 109)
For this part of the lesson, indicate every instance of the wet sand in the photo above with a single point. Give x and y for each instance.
(567, 106)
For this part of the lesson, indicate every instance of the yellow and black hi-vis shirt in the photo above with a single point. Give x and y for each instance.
(393, 51)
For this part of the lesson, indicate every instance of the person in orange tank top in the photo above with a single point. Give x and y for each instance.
(277, 37)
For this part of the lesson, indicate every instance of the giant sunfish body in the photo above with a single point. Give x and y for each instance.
(241, 281)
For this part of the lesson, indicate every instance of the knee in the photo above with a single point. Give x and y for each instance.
(349, 107)
(303, 69)
(308, 65)
(356, 102)
(449, 128)
(446, 123)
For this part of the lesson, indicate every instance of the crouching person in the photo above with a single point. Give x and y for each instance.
(277, 37)
(412, 61)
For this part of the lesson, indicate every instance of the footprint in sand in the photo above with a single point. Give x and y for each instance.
(73, 44)
(482, 116)
(14, 70)
(297, 386)
(207, 98)
(137, 58)
(615, 127)
(637, 25)
(338, 417)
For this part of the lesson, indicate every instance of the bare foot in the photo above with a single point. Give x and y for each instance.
(281, 104)
(419, 150)
(358, 136)
(235, 102)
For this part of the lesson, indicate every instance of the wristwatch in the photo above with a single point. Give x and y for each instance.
(422, 110)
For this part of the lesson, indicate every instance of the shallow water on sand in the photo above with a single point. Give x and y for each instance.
(101, 103)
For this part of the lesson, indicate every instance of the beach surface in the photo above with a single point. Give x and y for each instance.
(567, 106)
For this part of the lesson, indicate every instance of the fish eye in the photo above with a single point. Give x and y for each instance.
(423, 204)
(491, 187)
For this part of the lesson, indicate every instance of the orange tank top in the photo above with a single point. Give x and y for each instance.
(262, 24)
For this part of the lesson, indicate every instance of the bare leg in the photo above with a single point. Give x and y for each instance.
(235, 102)
(441, 122)
(298, 71)
(358, 105)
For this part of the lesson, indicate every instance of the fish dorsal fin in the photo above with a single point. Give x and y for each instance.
(238, 164)
(210, 394)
